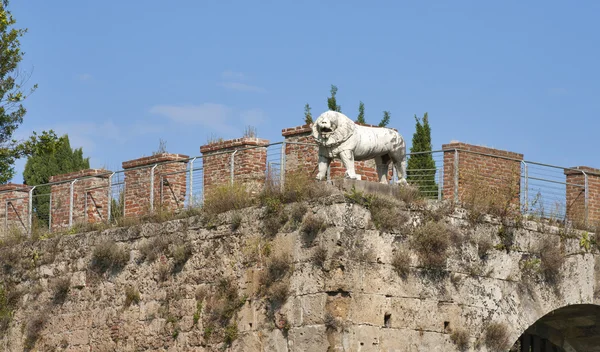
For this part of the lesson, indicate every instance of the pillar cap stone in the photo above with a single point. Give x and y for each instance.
(103, 173)
(154, 159)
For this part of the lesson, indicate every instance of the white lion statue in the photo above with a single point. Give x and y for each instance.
(339, 137)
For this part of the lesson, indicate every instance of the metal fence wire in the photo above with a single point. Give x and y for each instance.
(182, 184)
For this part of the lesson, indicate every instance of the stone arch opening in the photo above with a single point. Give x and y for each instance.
(574, 328)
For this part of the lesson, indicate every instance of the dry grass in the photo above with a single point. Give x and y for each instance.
(496, 337)
(151, 249)
(132, 295)
(297, 212)
(401, 263)
(33, 329)
(9, 299)
(221, 310)
(431, 241)
(319, 257)
(60, 289)
(387, 215)
(181, 254)
(407, 194)
(481, 198)
(225, 198)
(236, 221)
(109, 256)
(552, 259)
(275, 281)
(460, 337)
(484, 246)
(311, 227)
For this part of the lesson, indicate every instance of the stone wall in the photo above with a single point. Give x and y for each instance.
(354, 300)
(250, 163)
(482, 172)
(169, 188)
(14, 207)
(90, 197)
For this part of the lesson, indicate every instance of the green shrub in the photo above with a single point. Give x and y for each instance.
(109, 256)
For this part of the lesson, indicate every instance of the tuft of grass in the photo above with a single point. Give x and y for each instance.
(273, 223)
(484, 246)
(496, 337)
(225, 198)
(319, 257)
(9, 299)
(551, 260)
(221, 312)
(408, 194)
(297, 213)
(109, 256)
(275, 280)
(460, 337)
(163, 271)
(387, 215)
(132, 295)
(33, 329)
(431, 241)
(181, 254)
(330, 322)
(401, 263)
(60, 288)
(150, 250)
(236, 221)
(311, 227)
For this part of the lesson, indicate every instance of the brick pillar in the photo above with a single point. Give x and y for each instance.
(249, 166)
(576, 194)
(14, 207)
(90, 197)
(482, 172)
(305, 157)
(168, 195)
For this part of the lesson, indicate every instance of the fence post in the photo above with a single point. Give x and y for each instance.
(50, 212)
(455, 175)
(109, 206)
(161, 192)
(440, 183)
(152, 187)
(526, 187)
(71, 203)
(6, 216)
(30, 199)
(190, 196)
(232, 166)
(585, 219)
(282, 167)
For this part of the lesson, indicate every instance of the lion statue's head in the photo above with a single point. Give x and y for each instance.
(332, 128)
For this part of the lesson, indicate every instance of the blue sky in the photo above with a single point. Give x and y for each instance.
(117, 76)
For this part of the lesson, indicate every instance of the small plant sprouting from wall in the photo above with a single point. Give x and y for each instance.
(496, 337)
(297, 213)
(225, 198)
(431, 242)
(276, 281)
(151, 249)
(460, 337)
(385, 212)
(319, 257)
(401, 263)
(181, 254)
(33, 328)
(236, 221)
(311, 227)
(9, 298)
(132, 296)
(60, 288)
(219, 317)
(108, 256)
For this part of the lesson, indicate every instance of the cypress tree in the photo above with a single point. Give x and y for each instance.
(52, 160)
(385, 120)
(361, 113)
(421, 167)
(332, 102)
(307, 115)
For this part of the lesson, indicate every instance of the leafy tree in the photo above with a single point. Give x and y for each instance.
(332, 102)
(385, 120)
(12, 95)
(307, 115)
(54, 158)
(421, 167)
(361, 113)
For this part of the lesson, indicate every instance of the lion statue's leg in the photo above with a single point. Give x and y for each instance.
(347, 157)
(383, 165)
(399, 160)
(323, 166)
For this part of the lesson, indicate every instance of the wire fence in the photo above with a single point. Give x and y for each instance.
(107, 197)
